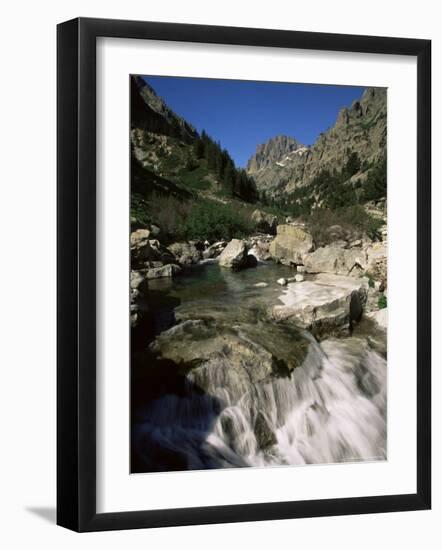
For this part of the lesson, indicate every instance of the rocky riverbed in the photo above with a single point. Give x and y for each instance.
(261, 351)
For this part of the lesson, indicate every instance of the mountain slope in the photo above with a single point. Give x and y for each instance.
(360, 132)
(180, 179)
(166, 145)
(150, 113)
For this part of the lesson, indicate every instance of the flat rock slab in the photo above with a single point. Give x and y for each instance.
(326, 305)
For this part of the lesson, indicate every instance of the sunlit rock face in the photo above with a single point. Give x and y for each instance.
(327, 304)
(291, 244)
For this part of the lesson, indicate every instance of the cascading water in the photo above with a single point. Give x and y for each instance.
(330, 409)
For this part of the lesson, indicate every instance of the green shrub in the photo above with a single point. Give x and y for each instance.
(351, 218)
(139, 211)
(375, 188)
(212, 220)
(203, 219)
(370, 282)
(194, 176)
(170, 214)
(382, 301)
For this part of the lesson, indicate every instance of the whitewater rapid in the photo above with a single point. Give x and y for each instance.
(330, 409)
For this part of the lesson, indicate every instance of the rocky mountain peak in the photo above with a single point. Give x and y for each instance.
(272, 151)
(279, 167)
(372, 101)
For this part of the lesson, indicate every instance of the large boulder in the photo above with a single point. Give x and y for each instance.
(218, 355)
(185, 253)
(263, 431)
(144, 249)
(234, 256)
(291, 244)
(265, 222)
(193, 342)
(337, 260)
(327, 305)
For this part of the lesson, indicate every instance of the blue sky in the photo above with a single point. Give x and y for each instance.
(242, 114)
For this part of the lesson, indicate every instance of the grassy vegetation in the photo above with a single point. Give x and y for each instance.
(351, 218)
(195, 176)
(181, 220)
(213, 221)
(139, 211)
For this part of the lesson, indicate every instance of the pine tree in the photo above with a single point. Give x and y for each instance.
(229, 179)
(198, 148)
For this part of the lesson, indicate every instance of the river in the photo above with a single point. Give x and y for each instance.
(228, 387)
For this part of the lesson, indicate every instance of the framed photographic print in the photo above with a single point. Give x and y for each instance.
(243, 274)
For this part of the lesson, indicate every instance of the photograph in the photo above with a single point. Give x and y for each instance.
(230, 215)
(258, 283)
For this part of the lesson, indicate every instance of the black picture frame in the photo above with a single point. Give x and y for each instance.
(76, 274)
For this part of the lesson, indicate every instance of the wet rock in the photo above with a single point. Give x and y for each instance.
(260, 285)
(263, 432)
(251, 261)
(299, 278)
(215, 355)
(291, 244)
(196, 343)
(282, 281)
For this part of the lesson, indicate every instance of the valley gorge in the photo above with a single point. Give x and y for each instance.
(258, 301)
